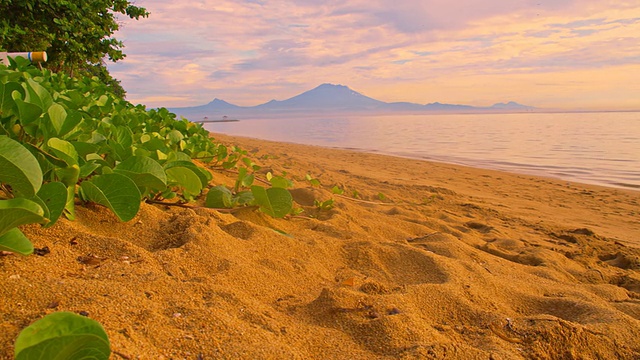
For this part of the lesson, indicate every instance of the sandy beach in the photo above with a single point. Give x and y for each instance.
(416, 260)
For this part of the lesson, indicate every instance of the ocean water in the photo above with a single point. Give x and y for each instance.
(595, 148)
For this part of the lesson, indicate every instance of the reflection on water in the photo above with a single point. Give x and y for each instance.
(599, 148)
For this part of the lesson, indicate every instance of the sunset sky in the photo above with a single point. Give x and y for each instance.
(568, 54)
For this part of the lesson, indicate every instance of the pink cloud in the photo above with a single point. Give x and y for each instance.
(248, 52)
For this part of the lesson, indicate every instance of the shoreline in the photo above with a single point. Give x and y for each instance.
(568, 153)
(448, 168)
(416, 260)
(464, 163)
(519, 170)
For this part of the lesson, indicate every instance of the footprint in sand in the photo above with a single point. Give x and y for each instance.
(396, 263)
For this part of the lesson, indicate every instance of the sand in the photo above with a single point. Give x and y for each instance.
(430, 260)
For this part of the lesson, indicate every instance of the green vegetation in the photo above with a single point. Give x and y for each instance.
(313, 181)
(67, 140)
(67, 137)
(324, 205)
(64, 140)
(77, 35)
(63, 336)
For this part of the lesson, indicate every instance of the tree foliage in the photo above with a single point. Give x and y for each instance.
(76, 34)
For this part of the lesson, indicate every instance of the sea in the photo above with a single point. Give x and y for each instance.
(601, 148)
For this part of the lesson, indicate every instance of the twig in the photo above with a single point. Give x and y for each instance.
(150, 201)
(502, 336)
(365, 201)
(423, 236)
(124, 356)
(302, 217)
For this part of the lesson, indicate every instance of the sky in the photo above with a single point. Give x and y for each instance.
(560, 54)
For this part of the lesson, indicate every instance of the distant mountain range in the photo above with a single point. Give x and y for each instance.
(330, 98)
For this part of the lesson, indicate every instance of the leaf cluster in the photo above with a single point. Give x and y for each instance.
(74, 33)
(275, 201)
(65, 139)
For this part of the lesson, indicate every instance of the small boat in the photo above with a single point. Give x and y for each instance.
(207, 120)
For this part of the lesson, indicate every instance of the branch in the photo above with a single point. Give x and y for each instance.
(185, 206)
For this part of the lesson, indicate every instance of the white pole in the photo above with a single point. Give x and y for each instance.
(35, 56)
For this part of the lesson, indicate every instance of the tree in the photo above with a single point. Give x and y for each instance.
(76, 34)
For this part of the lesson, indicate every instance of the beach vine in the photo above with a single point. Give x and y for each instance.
(70, 140)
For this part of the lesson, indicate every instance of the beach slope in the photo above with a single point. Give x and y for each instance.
(415, 260)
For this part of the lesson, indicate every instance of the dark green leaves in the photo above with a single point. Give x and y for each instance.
(276, 202)
(15, 241)
(219, 197)
(64, 138)
(13, 213)
(20, 169)
(144, 171)
(19, 211)
(6, 101)
(186, 179)
(63, 336)
(115, 191)
(53, 197)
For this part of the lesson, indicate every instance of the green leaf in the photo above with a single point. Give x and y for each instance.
(38, 152)
(19, 211)
(244, 179)
(244, 198)
(314, 182)
(68, 175)
(7, 104)
(57, 115)
(219, 197)
(115, 191)
(63, 150)
(279, 181)
(36, 94)
(73, 119)
(185, 178)
(85, 148)
(88, 168)
(276, 202)
(28, 112)
(19, 168)
(54, 196)
(175, 136)
(144, 171)
(123, 136)
(120, 152)
(63, 336)
(203, 174)
(15, 241)
(70, 207)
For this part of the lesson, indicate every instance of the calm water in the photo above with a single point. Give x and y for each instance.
(596, 148)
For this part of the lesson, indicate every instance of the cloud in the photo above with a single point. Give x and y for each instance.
(580, 23)
(194, 51)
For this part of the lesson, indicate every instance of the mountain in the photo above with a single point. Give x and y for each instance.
(511, 105)
(448, 107)
(325, 97)
(330, 98)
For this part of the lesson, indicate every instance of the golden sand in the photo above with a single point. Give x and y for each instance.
(430, 260)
